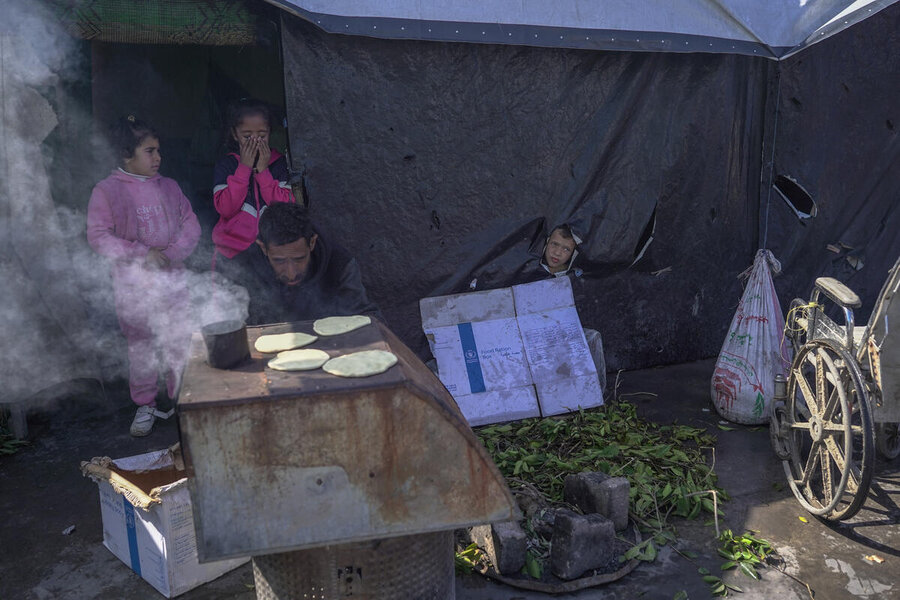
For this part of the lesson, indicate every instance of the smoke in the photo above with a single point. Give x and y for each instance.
(57, 315)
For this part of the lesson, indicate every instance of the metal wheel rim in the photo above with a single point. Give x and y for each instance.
(822, 429)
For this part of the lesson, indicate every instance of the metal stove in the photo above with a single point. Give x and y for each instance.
(374, 473)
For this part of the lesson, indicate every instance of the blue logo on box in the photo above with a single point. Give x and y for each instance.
(470, 353)
(132, 536)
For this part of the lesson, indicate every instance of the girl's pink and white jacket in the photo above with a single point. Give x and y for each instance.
(114, 219)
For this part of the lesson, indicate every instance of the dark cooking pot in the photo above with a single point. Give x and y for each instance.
(226, 344)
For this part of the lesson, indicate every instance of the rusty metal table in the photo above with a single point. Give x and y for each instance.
(378, 470)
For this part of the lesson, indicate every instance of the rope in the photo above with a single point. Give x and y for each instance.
(772, 155)
(804, 308)
(774, 264)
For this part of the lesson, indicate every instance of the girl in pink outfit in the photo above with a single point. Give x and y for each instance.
(249, 178)
(145, 225)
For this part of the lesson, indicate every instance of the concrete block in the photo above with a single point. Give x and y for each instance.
(599, 493)
(580, 543)
(504, 543)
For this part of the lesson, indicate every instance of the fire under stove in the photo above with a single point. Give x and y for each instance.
(337, 487)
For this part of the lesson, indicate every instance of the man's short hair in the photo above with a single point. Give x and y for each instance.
(284, 223)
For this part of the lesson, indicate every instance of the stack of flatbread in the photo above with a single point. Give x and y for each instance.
(356, 364)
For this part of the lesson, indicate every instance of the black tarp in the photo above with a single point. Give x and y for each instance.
(439, 162)
(837, 135)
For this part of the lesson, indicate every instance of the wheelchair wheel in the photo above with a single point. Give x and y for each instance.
(887, 439)
(830, 433)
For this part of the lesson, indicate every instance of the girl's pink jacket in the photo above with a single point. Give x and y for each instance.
(112, 221)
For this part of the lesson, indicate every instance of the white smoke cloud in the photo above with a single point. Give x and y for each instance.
(57, 321)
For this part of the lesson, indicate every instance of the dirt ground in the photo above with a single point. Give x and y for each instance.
(42, 493)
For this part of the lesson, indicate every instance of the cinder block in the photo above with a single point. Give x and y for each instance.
(580, 543)
(597, 492)
(504, 543)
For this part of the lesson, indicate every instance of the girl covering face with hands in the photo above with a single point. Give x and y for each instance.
(248, 179)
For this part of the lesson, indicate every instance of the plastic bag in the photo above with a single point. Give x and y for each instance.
(753, 353)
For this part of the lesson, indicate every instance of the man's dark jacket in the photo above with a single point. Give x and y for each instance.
(332, 287)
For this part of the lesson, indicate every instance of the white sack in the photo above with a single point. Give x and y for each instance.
(742, 385)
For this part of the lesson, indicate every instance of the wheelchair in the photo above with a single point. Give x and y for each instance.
(841, 399)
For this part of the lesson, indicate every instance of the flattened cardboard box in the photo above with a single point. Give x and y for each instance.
(152, 530)
(512, 353)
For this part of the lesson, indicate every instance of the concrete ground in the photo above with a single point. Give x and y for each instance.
(42, 493)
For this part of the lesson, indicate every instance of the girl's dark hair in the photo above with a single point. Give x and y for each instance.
(240, 110)
(128, 133)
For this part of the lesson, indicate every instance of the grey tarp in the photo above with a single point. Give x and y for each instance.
(771, 28)
(439, 163)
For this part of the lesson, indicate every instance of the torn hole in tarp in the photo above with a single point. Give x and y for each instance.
(646, 238)
(796, 197)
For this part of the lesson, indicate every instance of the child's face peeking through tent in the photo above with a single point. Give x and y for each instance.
(558, 251)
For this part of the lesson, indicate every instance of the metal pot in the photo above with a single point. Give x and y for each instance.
(226, 344)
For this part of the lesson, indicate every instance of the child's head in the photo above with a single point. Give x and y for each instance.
(137, 146)
(247, 119)
(560, 248)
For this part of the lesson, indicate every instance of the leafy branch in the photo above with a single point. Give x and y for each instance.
(8, 443)
(469, 559)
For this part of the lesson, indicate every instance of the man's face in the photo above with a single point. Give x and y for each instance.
(290, 261)
(559, 252)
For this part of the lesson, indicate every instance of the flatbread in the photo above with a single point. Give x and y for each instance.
(361, 364)
(306, 359)
(283, 341)
(339, 325)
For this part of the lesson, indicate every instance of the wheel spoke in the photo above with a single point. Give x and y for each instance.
(835, 453)
(853, 480)
(803, 384)
(827, 486)
(854, 475)
(820, 383)
(810, 464)
(832, 405)
(834, 427)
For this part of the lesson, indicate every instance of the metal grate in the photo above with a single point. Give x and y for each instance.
(415, 567)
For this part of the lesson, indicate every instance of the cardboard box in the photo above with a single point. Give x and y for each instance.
(512, 353)
(148, 520)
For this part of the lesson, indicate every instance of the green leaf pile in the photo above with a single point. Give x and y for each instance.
(8, 444)
(668, 466)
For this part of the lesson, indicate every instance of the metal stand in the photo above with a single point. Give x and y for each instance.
(415, 567)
